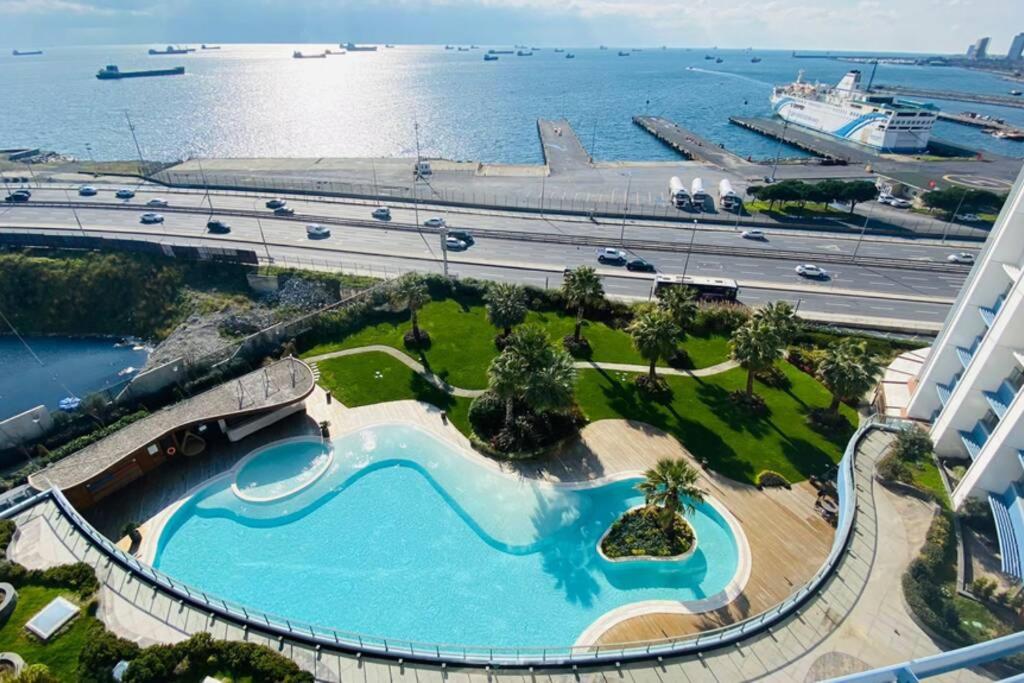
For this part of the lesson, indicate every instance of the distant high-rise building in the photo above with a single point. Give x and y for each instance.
(979, 50)
(1016, 47)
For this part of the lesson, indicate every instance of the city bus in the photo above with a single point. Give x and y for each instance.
(708, 288)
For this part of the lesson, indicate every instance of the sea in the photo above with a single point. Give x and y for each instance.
(257, 101)
(60, 367)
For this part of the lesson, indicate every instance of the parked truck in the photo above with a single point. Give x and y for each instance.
(728, 200)
(677, 192)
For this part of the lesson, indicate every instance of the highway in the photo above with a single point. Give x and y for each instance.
(892, 279)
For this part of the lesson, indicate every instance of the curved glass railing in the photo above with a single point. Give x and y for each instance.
(476, 655)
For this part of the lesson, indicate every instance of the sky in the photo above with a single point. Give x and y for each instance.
(929, 26)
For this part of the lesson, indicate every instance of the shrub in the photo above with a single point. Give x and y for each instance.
(7, 529)
(486, 413)
(832, 425)
(201, 655)
(752, 403)
(101, 651)
(720, 318)
(579, 348)
(771, 479)
(913, 445)
(983, 587)
(774, 378)
(641, 532)
(92, 437)
(891, 468)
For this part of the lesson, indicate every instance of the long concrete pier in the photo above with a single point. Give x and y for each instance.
(563, 150)
(689, 144)
(803, 139)
(986, 124)
(956, 95)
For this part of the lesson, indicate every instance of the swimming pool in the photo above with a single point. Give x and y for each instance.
(402, 535)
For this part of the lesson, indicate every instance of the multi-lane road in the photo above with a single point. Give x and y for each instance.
(885, 279)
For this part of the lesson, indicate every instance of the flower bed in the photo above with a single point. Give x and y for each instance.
(640, 534)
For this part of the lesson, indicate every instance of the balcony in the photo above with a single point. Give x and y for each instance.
(975, 439)
(946, 390)
(966, 354)
(989, 313)
(1008, 514)
(1000, 399)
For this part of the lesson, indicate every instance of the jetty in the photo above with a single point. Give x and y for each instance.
(954, 95)
(689, 144)
(563, 150)
(819, 145)
(997, 127)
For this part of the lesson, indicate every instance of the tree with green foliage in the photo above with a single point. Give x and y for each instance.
(672, 486)
(506, 306)
(410, 291)
(32, 673)
(681, 304)
(655, 336)
(581, 287)
(913, 444)
(961, 199)
(857, 191)
(531, 372)
(848, 371)
(755, 346)
(780, 317)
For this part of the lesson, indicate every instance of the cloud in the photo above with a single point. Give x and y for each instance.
(50, 7)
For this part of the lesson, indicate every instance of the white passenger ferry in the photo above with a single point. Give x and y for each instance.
(849, 112)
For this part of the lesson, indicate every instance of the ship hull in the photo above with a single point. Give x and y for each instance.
(106, 76)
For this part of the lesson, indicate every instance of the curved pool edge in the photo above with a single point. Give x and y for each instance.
(732, 590)
(252, 455)
(645, 558)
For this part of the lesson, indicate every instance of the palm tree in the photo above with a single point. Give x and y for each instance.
(581, 288)
(782, 319)
(755, 346)
(848, 371)
(410, 291)
(506, 306)
(681, 303)
(655, 335)
(532, 371)
(667, 484)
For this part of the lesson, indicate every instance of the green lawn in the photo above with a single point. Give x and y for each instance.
(462, 341)
(794, 210)
(926, 477)
(61, 653)
(700, 413)
(375, 377)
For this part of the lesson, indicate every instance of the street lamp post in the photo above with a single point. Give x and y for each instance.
(625, 210)
(693, 236)
(863, 229)
(444, 248)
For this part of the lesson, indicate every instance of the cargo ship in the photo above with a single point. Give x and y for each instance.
(852, 113)
(171, 50)
(26, 53)
(352, 47)
(111, 72)
(210, 47)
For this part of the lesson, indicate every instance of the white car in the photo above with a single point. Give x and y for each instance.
(753, 235)
(885, 198)
(315, 230)
(454, 243)
(124, 193)
(383, 213)
(87, 191)
(158, 202)
(964, 257)
(435, 222)
(148, 218)
(968, 217)
(610, 255)
(898, 203)
(812, 271)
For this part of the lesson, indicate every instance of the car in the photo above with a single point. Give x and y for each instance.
(158, 202)
(435, 222)
(275, 203)
(885, 198)
(754, 235)
(18, 196)
(317, 231)
(284, 211)
(963, 257)
(87, 191)
(610, 255)
(124, 193)
(462, 235)
(898, 203)
(640, 265)
(218, 227)
(812, 271)
(148, 218)
(454, 243)
(968, 217)
(383, 213)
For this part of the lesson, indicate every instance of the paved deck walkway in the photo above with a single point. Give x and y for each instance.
(562, 148)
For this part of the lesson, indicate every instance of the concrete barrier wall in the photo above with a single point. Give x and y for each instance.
(24, 427)
(155, 379)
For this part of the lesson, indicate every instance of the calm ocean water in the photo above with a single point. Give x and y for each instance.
(81, 365)
(255, 100)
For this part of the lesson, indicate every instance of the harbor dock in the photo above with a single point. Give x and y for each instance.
(818, 145)
(989, 125)
(954, 95)
(563, 150)
(689, 144)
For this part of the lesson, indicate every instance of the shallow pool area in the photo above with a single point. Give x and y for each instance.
(403, 535)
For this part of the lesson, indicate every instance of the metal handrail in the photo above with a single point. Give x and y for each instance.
(476, 655)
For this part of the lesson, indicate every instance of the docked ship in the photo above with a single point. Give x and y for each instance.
(111, 72)
(352, 47)
(171, 50)
(851, 113)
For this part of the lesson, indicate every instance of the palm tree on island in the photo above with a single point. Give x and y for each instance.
(506, 306)
(848, 371)
(581, 287)
(671, 485)
(655, 335)
(410, 291)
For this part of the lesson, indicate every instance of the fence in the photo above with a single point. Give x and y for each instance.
(639, 206)
(469, 655)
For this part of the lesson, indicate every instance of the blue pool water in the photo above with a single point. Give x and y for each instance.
(286, 469)
(405, 538)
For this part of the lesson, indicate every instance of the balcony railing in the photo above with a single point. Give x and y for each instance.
(989, 313)
(946, 390)
(1001, 398)
(1009, 521)
(965, 354)
(975, 439)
